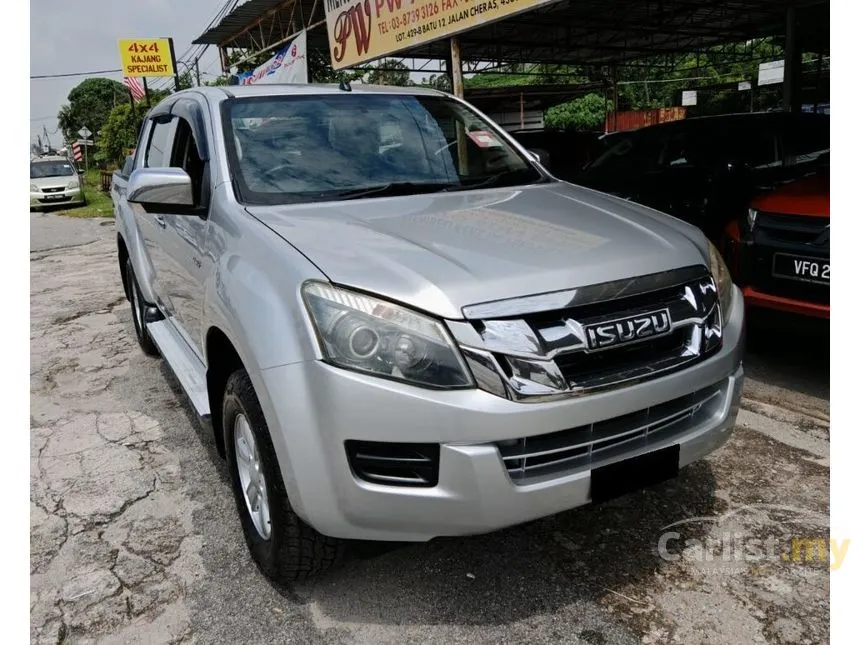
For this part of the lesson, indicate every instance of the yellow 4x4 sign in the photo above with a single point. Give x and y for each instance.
(146, 57)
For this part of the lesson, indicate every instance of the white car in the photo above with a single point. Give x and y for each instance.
(54, 180)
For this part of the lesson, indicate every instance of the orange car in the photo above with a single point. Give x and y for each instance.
(780, 254)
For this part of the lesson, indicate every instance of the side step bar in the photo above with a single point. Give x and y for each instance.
(189, 371)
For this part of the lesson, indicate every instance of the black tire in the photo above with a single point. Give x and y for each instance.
(137, 309)
(293, 550)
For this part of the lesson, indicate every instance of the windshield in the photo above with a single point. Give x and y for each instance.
(288, 149)
(42, 169)
(634, 152)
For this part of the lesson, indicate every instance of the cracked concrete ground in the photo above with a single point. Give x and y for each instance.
(134, 536)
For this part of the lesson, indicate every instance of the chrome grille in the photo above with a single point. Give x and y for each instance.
(546, 354)
(795, 229)
(583, 447)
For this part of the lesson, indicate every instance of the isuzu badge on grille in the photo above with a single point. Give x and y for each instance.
(628, 330)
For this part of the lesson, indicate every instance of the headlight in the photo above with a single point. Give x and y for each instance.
(72, 185)
(722, 278)
(751, 216)
(34, 188)
(367, 334)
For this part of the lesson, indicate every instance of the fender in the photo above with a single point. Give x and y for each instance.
(126, 227)
(252, 295)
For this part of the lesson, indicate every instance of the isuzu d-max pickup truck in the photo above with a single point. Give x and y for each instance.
(401, 326)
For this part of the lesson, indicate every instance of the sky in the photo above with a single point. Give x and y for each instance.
(81, 36)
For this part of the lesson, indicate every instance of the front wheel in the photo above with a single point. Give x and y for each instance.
(137, 308)
(283, 546)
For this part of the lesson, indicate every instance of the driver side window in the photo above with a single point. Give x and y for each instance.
(186, 156)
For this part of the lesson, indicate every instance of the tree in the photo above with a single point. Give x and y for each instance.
(441, 82)
(320, 69)
(585, 113)
(389, 72)
(121, 131)
(186, 80)
(89, 104)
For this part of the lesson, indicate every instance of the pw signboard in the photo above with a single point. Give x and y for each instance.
(142, 57)
(363, 30)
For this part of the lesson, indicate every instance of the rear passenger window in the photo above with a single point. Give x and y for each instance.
(159, 148)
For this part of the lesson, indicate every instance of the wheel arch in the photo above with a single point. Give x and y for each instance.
(222, 359)
(122, 257)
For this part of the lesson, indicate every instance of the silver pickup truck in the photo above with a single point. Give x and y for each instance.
(400, 325)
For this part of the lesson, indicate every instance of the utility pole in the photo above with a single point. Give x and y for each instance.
(456, 68)
(197, 70)
(146, 92)
(175, 65)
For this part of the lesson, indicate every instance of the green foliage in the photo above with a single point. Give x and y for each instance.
(724, 64)
(389, 71)
(98, 204)
(527, 74)
(320, 70)
(586, 113)
(654, 82)
(89, 104)
(121, 131)
(186, 80)
(441, 82)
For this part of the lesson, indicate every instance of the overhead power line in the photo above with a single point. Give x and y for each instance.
(96, 73)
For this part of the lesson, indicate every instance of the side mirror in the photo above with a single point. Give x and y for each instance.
(167, 187)
(540, 156)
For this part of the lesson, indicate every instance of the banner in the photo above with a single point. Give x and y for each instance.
(288, 65)
(146, 57)
(363, 30)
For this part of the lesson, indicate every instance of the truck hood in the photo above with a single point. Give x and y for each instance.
(808, 196)
(440, 252)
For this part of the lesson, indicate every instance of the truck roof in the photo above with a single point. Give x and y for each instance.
(285, 89)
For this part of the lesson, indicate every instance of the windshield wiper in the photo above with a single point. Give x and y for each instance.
(390, 189)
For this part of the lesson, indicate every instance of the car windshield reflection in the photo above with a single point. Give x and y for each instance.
(288, 149)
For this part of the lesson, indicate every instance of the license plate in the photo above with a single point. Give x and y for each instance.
(53, 198)
(801, 268)
(630, 475)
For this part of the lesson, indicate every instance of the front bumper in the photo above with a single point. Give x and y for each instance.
(750, 260)
(313, 408)
(70, 196)
(756, 298)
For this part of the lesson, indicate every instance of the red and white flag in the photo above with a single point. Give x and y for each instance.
(134, 86)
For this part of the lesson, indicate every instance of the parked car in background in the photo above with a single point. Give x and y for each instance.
(54, 181)
(779, 254)
(401, 327)
(563, 153)
(706, 170)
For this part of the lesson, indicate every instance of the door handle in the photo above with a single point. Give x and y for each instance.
(160, 221)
